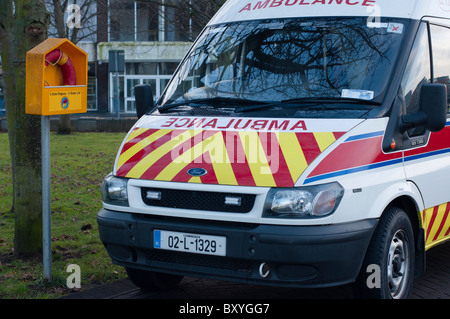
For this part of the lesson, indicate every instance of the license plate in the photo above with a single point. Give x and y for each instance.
(187, 242)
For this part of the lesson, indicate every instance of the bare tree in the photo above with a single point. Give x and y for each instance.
(87, 19)
(187, 16)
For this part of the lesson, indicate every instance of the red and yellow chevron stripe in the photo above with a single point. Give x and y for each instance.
(247, 158)
(436, 224)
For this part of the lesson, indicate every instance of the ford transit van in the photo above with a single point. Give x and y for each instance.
(300, 143)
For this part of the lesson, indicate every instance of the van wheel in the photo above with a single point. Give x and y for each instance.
(149, 280)
(388, 269)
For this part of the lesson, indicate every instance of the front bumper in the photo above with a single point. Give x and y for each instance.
(298, 256)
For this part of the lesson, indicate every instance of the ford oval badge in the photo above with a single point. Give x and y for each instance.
(197, 172)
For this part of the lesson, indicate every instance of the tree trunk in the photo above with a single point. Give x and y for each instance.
(21, 29)
(64, 125)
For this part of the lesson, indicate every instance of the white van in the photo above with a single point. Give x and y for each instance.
(300, 143)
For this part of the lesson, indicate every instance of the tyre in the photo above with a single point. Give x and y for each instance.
(149, 280)
(388, 269)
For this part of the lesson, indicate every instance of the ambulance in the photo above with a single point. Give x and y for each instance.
(300, 143)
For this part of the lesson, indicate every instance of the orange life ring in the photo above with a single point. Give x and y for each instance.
(67, 69)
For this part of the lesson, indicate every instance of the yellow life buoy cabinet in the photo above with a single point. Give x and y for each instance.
(56, 78)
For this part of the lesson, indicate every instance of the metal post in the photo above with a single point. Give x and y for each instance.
(116, 58)
(117, 90)
(46, 205)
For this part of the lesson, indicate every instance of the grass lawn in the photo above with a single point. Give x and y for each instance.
(79, 162)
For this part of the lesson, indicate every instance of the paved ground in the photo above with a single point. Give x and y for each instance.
(434, 284)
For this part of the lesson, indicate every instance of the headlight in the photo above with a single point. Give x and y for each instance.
(303, 202)
(114, 190)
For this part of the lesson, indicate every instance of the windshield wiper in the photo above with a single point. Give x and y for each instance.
(245, 105)
(215, 102)
(308, 102)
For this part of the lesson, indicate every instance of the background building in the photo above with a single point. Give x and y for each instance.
(154, 38)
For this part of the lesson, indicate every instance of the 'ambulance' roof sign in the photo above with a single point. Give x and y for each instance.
(241, 10)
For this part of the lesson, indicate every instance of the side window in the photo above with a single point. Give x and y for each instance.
(417, 73)
(441, 56)
(418, 70)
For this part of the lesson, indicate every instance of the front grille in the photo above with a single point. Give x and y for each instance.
(197, 200)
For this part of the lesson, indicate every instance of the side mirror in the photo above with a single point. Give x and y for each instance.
(144, 99)
(432, 110)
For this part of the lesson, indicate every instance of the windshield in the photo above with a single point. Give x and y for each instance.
(315, 61)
